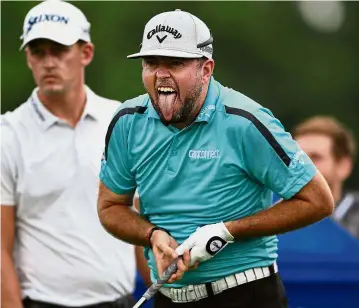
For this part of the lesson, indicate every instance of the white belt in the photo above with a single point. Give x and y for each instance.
(192, 293)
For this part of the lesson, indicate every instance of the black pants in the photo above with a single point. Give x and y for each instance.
(124, 302)
(262, 293)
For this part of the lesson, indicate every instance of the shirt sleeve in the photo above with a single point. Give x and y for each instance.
(9, 155)
(271, 157)
(116, 171)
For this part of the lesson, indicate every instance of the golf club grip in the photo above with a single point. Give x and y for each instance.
(171, 269)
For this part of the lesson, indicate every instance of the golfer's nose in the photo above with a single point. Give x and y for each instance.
(162, 72)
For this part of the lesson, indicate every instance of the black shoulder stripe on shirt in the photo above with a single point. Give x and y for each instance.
(263, 130)
(138, 109)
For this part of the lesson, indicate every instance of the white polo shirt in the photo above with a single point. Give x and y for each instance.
(49, 171)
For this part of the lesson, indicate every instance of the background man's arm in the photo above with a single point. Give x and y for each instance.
(10, 286)
(311, 204)
(120, 219)
(142, 266)
(141, 261)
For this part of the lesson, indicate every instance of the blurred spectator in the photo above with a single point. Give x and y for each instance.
(332, 148)
(54, 251)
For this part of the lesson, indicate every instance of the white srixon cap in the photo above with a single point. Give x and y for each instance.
(176, 34)
(55, 20)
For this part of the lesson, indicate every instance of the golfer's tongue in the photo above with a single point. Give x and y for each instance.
(167, 104)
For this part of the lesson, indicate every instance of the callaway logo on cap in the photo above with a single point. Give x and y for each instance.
(176, 34)
(55, 20)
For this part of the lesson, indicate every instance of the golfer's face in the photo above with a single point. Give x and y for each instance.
(174, 85)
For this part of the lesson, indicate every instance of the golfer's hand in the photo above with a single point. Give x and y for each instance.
(163, 247)
(206, 242)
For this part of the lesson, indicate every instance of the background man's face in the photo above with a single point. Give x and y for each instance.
(319, 149)
(55, 67)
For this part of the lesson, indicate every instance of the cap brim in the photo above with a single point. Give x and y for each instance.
(56, 34)
(166, 53)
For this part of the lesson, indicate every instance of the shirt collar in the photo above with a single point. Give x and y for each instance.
(208, 108)
(46, 119)
(91, 107)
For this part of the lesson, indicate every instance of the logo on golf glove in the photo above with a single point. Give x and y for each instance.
(206, 242)
(215, 244)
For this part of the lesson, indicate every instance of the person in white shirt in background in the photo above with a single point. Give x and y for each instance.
(54, 251)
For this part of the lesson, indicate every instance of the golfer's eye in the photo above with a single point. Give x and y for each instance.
(177, 63)
(150, 62)
(36, 51)
(57, 50)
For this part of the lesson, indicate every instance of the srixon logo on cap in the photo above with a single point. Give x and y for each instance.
(45, 17)
(159, 28)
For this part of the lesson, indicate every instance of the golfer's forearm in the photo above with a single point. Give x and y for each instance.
(313, 203)
(283, 217)
(10, 286)
(124, 223)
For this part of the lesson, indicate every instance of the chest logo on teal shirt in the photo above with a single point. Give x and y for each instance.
(204, 154)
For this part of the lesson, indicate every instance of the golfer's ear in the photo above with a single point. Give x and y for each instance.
(207, 70)
(27, 55)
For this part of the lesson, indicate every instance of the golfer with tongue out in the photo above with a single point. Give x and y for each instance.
(205, 160)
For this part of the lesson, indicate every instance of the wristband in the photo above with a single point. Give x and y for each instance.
(149, 235)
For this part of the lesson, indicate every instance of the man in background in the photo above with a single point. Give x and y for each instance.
(332, 148)
(51, 150)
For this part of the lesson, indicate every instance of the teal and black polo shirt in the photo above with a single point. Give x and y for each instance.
(222, 167)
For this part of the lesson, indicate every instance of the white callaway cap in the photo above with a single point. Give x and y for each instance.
(176, 34)
(56, 20)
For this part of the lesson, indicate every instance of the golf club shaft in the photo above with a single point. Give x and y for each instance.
(152, 290)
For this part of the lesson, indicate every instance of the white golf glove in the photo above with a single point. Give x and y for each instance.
(206, 242)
